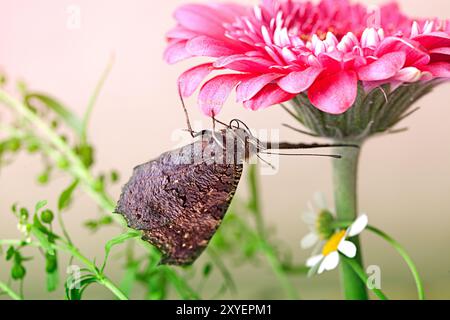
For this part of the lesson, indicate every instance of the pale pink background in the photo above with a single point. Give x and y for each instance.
(405, 178)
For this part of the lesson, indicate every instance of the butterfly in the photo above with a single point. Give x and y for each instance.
(179, 199)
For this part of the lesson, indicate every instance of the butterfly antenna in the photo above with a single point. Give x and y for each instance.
(186, 114)
(335, 156)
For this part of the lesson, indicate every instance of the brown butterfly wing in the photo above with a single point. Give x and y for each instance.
(178, 206)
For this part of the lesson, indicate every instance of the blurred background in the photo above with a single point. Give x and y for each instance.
(404, 178)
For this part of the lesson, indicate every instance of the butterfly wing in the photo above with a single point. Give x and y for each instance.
(179, 206)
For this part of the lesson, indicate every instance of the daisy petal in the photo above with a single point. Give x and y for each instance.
(311, 262)
(348, 248)
(309, 240)
(358, 225)
(330, 262)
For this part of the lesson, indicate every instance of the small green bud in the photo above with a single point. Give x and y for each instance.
(47, 216)
(43, 177)
(63, 163)
(18, 272)
(114, 176)
(24, 213)
(14, 145)
(106, 220)
(33, 147)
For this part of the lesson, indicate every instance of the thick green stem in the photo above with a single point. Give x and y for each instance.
(345, 194)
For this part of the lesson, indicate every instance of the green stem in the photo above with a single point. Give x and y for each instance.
(345, 193)
(405, 256)
(255, 207)
(10, 292)
(397, 246)
(255, 202)
(362, 275)
(77, 168)
(280, 272)
(94, 97)
(73, 251)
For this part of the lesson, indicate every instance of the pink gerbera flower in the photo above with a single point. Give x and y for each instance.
(278, 49)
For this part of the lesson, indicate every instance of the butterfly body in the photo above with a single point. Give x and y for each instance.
(179, 199)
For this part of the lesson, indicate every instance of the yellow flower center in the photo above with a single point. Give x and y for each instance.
(333, 243)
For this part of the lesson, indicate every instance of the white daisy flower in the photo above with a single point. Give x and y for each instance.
(337, 243)
(312, 219)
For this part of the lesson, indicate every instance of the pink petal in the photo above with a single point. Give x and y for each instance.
(414, 55)
(433, 40)
(383, 68)
(200, 18)
(208, 47)
(181, 33)
(191, 79)
(336, 93)
(243, 63)
(299, 81)
(176, 51)
(440, 54)
(268, 96)
(215, 92)
(439, 69)
(247, 89)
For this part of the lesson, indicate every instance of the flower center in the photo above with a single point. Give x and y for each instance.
(333, 243)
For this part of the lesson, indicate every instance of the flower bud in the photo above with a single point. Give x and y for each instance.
(47, 216)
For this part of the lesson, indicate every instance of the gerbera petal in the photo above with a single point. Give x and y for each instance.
(204, 46)
(438, 70)
(199, 18)
(440, 54)
(299, 81)
(383, 68)
(249, 88)
(311, 262)
(330, 262)
(244, 63)
(348, 248)
(176, 51)
(271, 94)
(309, 240)
(414, 54)
(433, 40)
(214, 93)
(191, 79)
(336, 93)
(181, 33)
(358, 225)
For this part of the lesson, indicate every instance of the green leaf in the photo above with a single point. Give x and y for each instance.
(10, 253)
(118, 240)
(66, 196)
(40, 205)
(68, 116)
(76, 292)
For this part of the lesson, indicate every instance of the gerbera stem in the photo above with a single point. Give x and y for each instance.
(345, 171)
